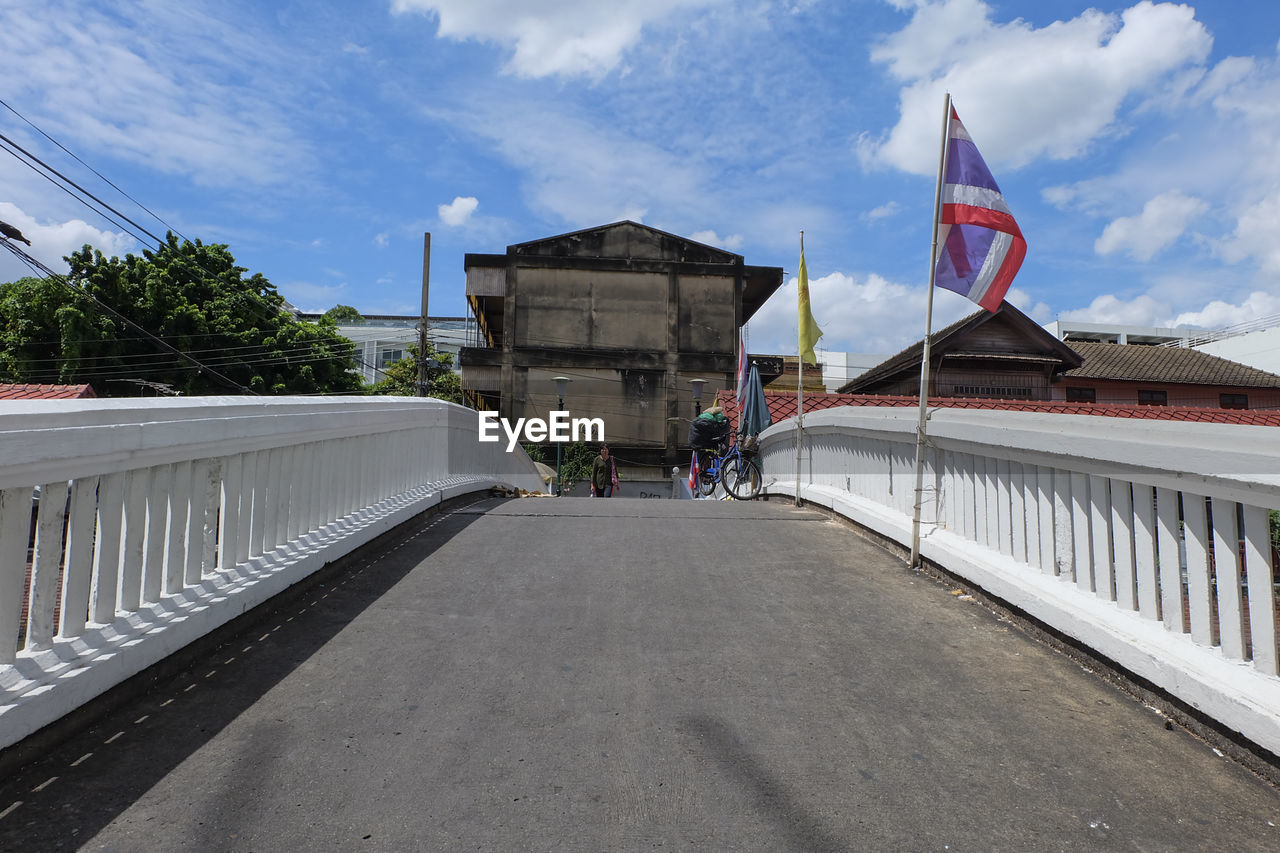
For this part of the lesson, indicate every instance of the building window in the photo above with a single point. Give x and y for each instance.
(388, 357)
(1153, 398)
(1233, 401)
(1082, 395)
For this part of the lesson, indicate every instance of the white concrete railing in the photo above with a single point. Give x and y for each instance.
(1114, 531)
(159, 520)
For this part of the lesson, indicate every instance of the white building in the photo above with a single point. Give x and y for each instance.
(1255, 343)
(383, 339)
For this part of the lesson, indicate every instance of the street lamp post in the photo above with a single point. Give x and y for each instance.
(697, 395)
(561, 382)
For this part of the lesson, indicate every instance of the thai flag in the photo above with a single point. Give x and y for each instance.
(981, 246)
(693, 474)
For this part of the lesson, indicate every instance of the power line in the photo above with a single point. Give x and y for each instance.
(91, 169)
(43, 165)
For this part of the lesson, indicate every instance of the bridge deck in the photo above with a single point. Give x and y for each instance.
(626, 674)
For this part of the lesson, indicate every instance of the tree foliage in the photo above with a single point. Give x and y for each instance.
(191, 295)
(401, 377)
(344, 315)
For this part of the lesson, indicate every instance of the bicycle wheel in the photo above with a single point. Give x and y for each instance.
(742, 478)
(706, 483)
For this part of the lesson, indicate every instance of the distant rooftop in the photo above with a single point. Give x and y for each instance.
(45, 392)
(1164, 364)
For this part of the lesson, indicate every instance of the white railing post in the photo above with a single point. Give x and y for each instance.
(104, 592)
(178, 529)
(1226, 561)
(1081, 542)
(1199, 593)
(1144, 550)
(1100, 527)
(1171, 597)
(46, 565)
(1262, 607)
(15, 524)
(78, 563)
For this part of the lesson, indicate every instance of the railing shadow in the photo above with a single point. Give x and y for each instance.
(63, 799)
(797, 827)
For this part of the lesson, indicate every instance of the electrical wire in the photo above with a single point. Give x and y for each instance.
(43, 165)
(91, 169)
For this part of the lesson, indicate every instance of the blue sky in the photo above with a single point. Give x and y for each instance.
(1136, 143)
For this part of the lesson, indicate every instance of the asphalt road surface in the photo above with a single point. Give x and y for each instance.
(579, 675)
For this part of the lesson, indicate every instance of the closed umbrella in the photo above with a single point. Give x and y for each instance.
(547, 473)
(755, 417)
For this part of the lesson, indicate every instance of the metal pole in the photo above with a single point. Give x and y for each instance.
(559, 446)
(422, 328)
(799, 397)
(928, 331)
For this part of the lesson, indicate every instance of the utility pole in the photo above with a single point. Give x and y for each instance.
(422, 324)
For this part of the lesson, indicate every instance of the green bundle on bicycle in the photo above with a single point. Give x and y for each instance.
(733, 464)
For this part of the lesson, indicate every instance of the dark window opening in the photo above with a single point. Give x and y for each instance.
(1153, 398)
(1233, 401)
(1082, 395)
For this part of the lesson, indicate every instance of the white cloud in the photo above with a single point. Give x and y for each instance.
(1218, 314)
(1142, 310)
(52, 241)
(1026, 92)
(1162, 221)
(381, 240)
(458, 211)
(1153, 309)
(884, 211)
(871, 315)
(1255, 235)
(551, 37)
(162, 85)
(731, 242)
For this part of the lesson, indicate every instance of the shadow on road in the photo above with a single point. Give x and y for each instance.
(64, 798)
(772, 799)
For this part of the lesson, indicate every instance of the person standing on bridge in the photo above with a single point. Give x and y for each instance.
(604, 474)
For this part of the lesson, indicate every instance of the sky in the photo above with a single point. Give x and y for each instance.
(1135, 143)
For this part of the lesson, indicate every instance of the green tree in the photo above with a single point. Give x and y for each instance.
(191, 295)
(400, 379)
(343, 315)
(575, 463)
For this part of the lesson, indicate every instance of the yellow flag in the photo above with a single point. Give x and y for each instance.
(809, 331)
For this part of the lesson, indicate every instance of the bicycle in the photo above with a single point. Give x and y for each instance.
(736, 469)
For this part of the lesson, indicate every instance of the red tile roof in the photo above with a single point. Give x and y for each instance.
(45, 392)
(783, 406)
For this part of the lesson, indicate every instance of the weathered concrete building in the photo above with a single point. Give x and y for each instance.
(628, 313)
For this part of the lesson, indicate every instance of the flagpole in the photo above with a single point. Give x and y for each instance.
(928, 332)
(799, 390)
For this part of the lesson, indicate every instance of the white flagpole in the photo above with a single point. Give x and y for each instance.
(928, 331)
(799, 392)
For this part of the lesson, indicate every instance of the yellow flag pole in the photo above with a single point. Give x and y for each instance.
(928, 332)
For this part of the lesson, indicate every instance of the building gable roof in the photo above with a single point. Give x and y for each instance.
(1037, 343)
(1136, 363)
(625, 240)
